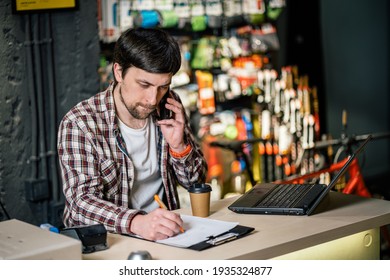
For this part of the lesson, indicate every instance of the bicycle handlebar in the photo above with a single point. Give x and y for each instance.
(349, 140)
(236, 145)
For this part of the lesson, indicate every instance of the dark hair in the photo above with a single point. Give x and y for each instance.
(150, 49)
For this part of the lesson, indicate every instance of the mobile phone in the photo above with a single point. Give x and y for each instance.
(164, 112)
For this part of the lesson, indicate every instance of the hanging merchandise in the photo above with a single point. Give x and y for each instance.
(114, 19)
(240, 125)
(245, 69)
(226, 55)
(214, 13)
(183, 76)
(278, 164)
(266, 124)
(229, 119)
(231, 132)
(275, 8)
(235, 88)
(139, 5)
(124, 18)
(254, 11)
(277, 171)
(168, 19)
(256, 134)
(249, 62)
(270, 164)
(285, 140)
(161, 5)
(216, 51)
(206, 100)
(278, 102)
(316, 113)
(198, 17)
(167, 16)
(146, 18)
(245, 76)
(264, 39)
(221, 87)
(267, 133)
(203, 54)
(234, 46)
(227, 87)
(185, 51)
(144, 13)
(246, 117)
(153, 13)
(233, 14)
(183, 12)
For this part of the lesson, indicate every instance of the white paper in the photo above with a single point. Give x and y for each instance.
(197, 230)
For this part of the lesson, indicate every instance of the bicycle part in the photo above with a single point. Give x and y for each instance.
(349, 140)
(356, 184)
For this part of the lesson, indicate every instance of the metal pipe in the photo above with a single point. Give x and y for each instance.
(52, 110)
(41, 108)
(33, 160)
(40, 102)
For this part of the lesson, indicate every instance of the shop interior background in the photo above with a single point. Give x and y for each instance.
(343, 46)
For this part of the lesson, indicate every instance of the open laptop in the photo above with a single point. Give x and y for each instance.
(265, 198)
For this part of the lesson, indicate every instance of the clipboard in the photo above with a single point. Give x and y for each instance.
(202, 233)
(233, 234)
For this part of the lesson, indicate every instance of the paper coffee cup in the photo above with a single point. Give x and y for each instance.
(200, 199)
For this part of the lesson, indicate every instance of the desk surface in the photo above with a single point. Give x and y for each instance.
(273, 235)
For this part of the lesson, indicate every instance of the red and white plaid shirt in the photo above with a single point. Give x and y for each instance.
(97, 173)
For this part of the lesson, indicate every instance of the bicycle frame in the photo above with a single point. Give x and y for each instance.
(355, 184)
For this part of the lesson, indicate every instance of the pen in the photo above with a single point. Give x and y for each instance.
(162, 205)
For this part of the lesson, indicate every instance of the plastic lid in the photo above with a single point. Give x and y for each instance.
(199, 188)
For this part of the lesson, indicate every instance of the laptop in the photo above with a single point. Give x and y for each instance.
(288, 199)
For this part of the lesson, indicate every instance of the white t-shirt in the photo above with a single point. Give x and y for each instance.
(141, 146)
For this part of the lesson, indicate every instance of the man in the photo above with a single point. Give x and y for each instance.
(116, 154)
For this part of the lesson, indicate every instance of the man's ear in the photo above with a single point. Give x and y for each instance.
(118, 72)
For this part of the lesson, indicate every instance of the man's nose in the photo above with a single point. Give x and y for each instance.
(152, 96)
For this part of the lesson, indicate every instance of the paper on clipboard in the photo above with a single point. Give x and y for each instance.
(197, 230)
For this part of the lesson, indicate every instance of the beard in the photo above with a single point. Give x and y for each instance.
(138, 110)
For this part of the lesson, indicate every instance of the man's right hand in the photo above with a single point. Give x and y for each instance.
(156, 225)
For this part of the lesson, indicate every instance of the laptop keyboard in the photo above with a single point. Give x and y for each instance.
(284, 195)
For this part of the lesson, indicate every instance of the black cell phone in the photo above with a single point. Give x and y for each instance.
(164, 112)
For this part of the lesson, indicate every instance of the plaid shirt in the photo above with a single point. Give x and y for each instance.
(98, 175)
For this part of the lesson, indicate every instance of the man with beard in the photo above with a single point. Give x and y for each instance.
(116, 150)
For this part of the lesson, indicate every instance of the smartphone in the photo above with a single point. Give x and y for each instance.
(164, 112)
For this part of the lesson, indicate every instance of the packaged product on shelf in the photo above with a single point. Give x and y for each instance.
(206, 99)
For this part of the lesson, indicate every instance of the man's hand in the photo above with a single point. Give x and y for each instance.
(156, 225)
(173, 129)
